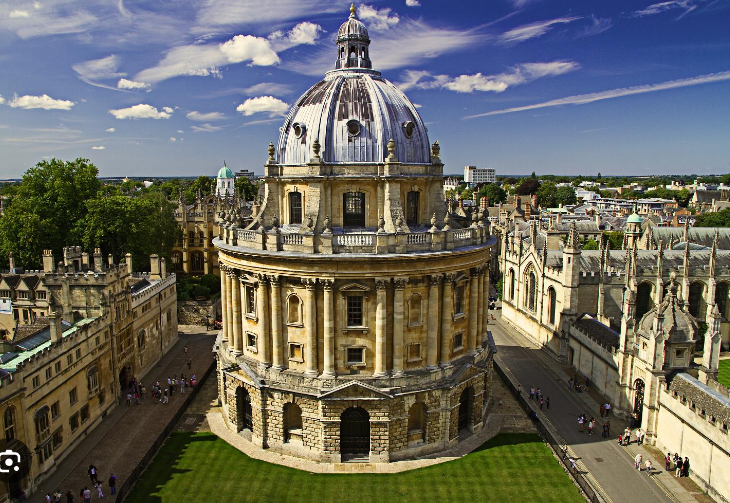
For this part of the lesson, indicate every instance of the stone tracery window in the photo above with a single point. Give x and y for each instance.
(9, 420)
(530, 282)
(552, 301)
(721, 297)
(696, 290)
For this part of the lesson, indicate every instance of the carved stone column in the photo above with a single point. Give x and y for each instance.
(480, 314)
(276, 331)
(398, 322)
(433, 321)
(447, 315)
(329, 328)
(263, 319)
(473, 310)
(310, 326)
(485, 304)
(229, 304)
(224, 303)
(381, 318)
(236, 303)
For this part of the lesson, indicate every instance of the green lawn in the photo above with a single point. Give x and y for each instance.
(724, 374)
(202, 467)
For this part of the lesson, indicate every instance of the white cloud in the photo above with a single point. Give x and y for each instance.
(142, 111)
(657, 8)
(45, 102)
(16, 14)
(263, 104)
(131, 84)
(111, 130)
(100, 147)
(180, 131)
(582, 99)
(2, 100)
(533, 30)
(206, 59)
(377, 19)
(215, 13)
(206, 128)
(99, 69)
(58, 19)
(598, 25)
(205, 117)
(305, 33)
(412, 43)
(413, 3)
(421, 79)
(476, 82)
(173, 139)
(268, 87)
(36, 5)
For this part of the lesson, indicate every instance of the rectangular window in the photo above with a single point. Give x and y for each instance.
(55, 410)
(458, 341)
(295, 208)
(73, 422)
(69, 359)
(414, 352)
(92, 381)
(72, 396)
(353, 213)
(41, 295)
(355, 355)
(57, 367)
(295, 352)
(354, 311)
(44, 452)
(49, 373)
(78, 354)
(251, 342)
(250, 300)
(84, 414)
(36, 381)
(57, 438)
(680, 354)
(412, 208)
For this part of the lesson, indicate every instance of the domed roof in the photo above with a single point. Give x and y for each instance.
(353, 28)
(673, 321)
(353, 113)
(634, 219)
(225, 172)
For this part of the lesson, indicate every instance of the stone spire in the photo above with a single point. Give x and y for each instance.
(573, 238)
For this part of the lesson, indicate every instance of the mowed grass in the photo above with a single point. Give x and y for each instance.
(724, 372)
(201, 467)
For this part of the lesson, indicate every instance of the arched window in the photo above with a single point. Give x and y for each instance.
(201, 237)
(412, 208)
(92, 379)
(414, 309)
(9, 420)
(552, 301)
(417, 423)
(141, 339)
(294, 310)
(295, 207)
(721, 294)
(530, 290)
(353, 205)
(512, 284)
(197, 261)
(292, 422)
(42, 424)
(644, 301)
(696, 290)
(177, 264)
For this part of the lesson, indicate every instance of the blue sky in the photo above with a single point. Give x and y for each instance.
(174, 87)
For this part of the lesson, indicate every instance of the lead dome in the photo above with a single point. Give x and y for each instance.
(353, 112)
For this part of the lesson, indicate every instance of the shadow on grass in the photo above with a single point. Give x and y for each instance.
(504, 439)
(162, 468)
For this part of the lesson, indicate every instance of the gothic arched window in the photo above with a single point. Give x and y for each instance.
(696, 290)
(721, 294)
(552, 301)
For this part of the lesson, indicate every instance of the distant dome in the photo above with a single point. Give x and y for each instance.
(634, 219)
(225, 172)
(353, 112)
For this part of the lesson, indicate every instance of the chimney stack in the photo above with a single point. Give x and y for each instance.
(128, 261)
(84, 261)
(11, 260)
(163, 268)
(56, 327)
(48, 264)
(110, 260)
(98, 265)
(155, 266)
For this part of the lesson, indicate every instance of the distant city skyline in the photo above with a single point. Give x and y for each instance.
(169, 89)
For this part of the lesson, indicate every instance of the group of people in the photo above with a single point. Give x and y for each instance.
(162, 393)
(574, 384)
(584, 422)
(85, 492)
(647, 464)
(681, 466)
(625, 437)
(537, 396)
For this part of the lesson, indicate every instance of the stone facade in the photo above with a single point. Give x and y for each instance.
(354, 305)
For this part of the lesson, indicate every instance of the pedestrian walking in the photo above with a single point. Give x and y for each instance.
(627, 436)
(98, 488)
(129, 399)
(581, 425)
(570, 384)
(620, 439)
(648, 467)
(93, 472)
(69, 496)
(165, 399)
(591, 425)
(190, 363)
(113, 484)
(608, 408)
(678, 467)
(532, 392)
(602, 410)
(87, 495)
(542, 402)
(637, 461)
(182, 385)
(668, 462)
(608, 428)
(538, 394)
(685, 467)
(185, 349)
(169, 384)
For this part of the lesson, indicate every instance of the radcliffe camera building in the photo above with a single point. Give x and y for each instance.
(355, 316)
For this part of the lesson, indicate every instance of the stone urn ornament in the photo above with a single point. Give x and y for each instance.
(271, 152)
(391, 149)
(433, 223)
(381, 224)
(327, 229)
(310, 222)
(399, 223)
(447, 221)
(316, 147)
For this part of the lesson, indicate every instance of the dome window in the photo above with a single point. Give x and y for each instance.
(299, 129)
(408, 128)
(353, 127)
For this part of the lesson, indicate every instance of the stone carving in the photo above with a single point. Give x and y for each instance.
(271, 152)
(391, 149)
(316, 147)
(382, 283)
(400, 283)
(436, 149)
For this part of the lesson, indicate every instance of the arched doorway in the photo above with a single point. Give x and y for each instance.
(354, 432)
(125, 378)
(464, 409)
(243, 409)
(638, 403)
(292, 422)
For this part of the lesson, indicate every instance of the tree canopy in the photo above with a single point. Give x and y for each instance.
(718, 219)
(494, 192)
(528, 186)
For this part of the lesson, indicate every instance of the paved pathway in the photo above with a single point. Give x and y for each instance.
(610, 464)
(121, 440)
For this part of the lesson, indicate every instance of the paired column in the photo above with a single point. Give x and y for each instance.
(447, 315)
(236, 303)
(398, 322)
(433, 320)
(485, 303)
(229, 305)
(224, 303)
(482, 311)
(310, 320)
(473, 310)
(276, 332)
(263, 320)
(329, 328)
(381, 318)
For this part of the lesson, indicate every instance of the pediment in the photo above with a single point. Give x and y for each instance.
(354, 287)
(355, 390)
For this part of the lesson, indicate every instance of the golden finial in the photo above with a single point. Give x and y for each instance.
(352, 10)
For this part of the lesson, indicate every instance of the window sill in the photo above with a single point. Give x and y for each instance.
(355, 329)
(296, 360)
(251, 317)
(252, 349)
(414, 360)
(355, 364)
(419, 324)
(457, 350)
(297, 325)
(459, 316)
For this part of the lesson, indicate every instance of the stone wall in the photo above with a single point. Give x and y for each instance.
(195, 312)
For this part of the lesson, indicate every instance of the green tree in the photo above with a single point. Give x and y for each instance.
(546, 195)
(528, 186)
(565, 196)
(50, 201)
(494, 192)
(615, 239)
(138, 225)
(719, 219)
(590, 244)
(246, 189)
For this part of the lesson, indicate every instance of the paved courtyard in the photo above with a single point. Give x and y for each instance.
(121, 440)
